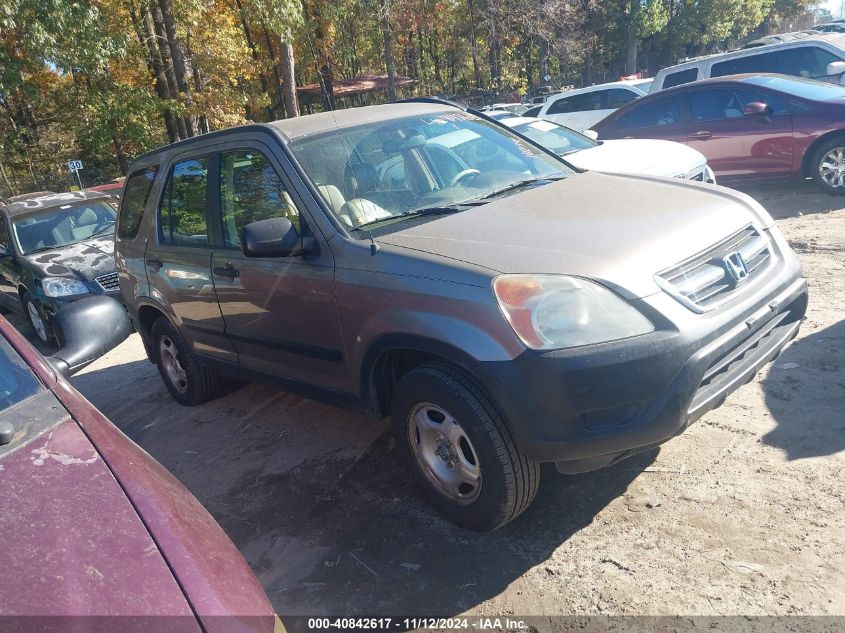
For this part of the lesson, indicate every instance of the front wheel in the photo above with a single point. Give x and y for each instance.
(459, 450)
(189, 382)
(38, 322)
(829, 166)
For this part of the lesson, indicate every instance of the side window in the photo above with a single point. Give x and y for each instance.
(655, 113)
(250, 190)
(579, 103)
(775, 102)
(136, 192)
(617, 97)
(762, 63)
(680, 77)
(182, 214)
(714, 105)
(809, 62)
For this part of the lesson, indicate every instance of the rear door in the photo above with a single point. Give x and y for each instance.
(739, 146)
(660, 118)
(279, 312)
(178, 260)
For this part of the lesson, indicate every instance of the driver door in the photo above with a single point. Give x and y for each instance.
(279, 312)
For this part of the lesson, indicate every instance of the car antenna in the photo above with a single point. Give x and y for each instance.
(374, 247)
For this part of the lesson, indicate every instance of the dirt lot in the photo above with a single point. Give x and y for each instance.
(742, 514)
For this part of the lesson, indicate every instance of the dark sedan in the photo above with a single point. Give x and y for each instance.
(56, 249)
(750, 127)
(97, 535)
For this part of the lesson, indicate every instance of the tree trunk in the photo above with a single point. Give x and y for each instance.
(122, 161)
(587, 78)
(543, 61)
(196, 74)
(180, 72)
(253, 50)
(167, 64)
(12, 190)
(474, 46)
(144, 34)
(387, 42)
(631, 47)
(289, 77)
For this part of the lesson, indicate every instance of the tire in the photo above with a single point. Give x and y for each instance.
(490, 480)
(36, 321)
(828, 165)
(189, 382)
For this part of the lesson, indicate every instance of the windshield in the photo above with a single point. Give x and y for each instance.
(804, 88)
(559, 139)
(64, 225)
(385, 170)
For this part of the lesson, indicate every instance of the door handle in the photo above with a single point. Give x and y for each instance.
(703, 135)
(155, 263)
(226, 271)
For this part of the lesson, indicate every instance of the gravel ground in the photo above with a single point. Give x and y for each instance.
(742, 514)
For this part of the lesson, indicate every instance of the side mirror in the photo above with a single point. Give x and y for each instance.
(273, 237)
(591, 134)
(88, 328)
(755, 108)
(835, 68)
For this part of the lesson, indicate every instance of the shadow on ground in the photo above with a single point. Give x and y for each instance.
(805, 379)
(787, 200)
(315, 500)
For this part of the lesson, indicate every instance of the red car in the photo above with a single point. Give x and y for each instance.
(750, 127)
(97, 535)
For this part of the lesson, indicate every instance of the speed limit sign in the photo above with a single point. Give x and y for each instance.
(74, 165)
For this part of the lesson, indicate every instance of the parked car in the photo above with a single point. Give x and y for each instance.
(820, 57)
(53, 250)
(580, 109)
(771, 39)
(830, 27)
(97, 535)
(512, 108)
(633, 156)
(112, 188)
(503, 308)
(750, 127)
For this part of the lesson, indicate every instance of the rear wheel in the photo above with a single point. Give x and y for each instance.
(189, 382)
(829, 165)
(459, 450)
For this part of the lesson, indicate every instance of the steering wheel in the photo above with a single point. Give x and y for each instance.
(463, 174)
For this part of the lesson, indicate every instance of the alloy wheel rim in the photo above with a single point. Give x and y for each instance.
(444, 453)
(36, 321)
(169, 356)
(832, 168)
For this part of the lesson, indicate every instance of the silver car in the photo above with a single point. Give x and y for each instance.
(502, 307)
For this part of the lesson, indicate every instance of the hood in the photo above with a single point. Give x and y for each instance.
(73, 544)
(87, 259)
(640, 156)
(617, 229)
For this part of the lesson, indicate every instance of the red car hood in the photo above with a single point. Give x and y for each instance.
(73, 544)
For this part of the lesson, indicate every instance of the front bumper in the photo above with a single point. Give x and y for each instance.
(588, 408)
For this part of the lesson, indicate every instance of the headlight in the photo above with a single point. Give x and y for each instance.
(62, 287)
(553, 311)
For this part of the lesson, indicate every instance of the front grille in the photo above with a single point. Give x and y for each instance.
(707, 280)
(109, 282)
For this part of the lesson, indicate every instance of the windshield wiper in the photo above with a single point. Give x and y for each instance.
(416, 213)
(106, 226)
(519, 184)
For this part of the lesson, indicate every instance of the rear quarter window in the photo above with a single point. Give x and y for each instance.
(680, 77)
(135, 195)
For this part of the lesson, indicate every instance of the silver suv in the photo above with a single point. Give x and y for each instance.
(419, 261)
